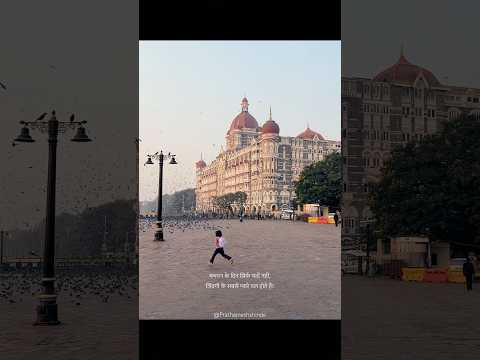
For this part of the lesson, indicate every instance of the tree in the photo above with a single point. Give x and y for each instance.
(431, 187)
(321, 182)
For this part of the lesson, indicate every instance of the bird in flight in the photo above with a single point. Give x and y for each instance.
(41, 117)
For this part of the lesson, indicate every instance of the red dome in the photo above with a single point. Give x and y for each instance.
(406, 73)
(200, 164)
(270, 127)
(309, 134)
(243, 120)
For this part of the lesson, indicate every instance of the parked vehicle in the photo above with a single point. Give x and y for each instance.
(287, 215)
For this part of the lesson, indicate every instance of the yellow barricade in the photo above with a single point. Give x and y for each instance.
(413, 274)
(456, 276)
(319, 220)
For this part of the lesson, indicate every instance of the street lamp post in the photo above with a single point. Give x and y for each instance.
(2, 235)
(160, 157)
(47, 309)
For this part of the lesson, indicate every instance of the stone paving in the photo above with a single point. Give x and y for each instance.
(91, 328)
(303, 261)
(396, 320)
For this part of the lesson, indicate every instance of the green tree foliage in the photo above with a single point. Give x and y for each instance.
(82, 234)
(173, 204)
(432, 187)
(321, 182)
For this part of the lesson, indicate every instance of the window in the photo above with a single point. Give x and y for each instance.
(386, 246)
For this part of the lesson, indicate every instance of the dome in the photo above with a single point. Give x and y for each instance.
(406, 73)
(309, 134)
(244, 119)
(200, 164)
(270, 126)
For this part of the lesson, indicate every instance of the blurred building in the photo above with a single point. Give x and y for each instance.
(259, 162)
(401, 103)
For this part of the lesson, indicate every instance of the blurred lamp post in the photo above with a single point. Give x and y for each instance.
(160, 157)
(47, 309)
(2, 235)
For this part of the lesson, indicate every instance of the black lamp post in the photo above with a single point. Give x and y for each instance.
(160, 157)
(2, 235)
(47, 309)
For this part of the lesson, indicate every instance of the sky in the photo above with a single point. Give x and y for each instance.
(191, 91)
(53, 61)
(440, 35)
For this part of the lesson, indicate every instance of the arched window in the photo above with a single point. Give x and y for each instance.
(475, 114)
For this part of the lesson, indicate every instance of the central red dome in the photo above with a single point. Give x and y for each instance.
(406, 73)
(244, 119)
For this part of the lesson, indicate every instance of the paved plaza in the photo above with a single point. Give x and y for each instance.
(397, 320)
(92, 327)
(301, 263)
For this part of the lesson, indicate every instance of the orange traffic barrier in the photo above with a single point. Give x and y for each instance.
(435, 275)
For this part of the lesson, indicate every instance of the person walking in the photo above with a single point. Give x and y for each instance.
(335, 218)
(468, 272)
(220, 243)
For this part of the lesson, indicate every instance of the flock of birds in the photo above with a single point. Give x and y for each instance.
(74, 284)
(182, 223)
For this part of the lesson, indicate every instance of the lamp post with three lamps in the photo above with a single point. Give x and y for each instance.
(47, 309)
(160, 157)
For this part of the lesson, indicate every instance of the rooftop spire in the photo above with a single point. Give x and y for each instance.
(402, 58)
(244, 104)
(270, 113)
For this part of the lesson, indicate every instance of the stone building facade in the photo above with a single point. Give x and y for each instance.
(259, 162)
(401, 103)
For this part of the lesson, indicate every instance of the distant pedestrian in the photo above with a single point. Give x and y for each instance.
(468, 272)
(219, 244)
(335, 218)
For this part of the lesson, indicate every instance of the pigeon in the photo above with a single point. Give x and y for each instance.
(72, 117)
(3, 86)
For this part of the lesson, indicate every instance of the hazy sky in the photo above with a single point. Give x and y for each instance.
(63, 56)
(191, 91)
(440, 35)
